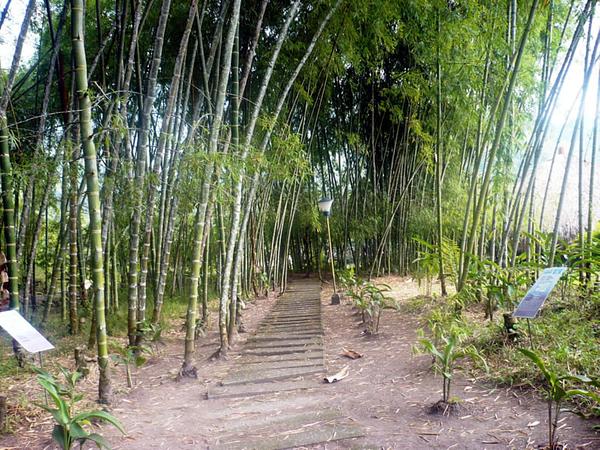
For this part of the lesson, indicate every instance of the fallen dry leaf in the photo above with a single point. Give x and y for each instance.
(533, 424)
(350, 353)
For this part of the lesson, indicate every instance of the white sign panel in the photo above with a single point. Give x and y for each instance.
(535, 297)
(22, 331)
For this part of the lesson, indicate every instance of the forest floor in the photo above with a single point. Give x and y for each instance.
(387, 395)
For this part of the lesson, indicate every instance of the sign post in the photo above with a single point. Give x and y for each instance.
(23, 332)
(536, 296)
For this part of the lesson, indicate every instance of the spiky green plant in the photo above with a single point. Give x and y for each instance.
(370, 300)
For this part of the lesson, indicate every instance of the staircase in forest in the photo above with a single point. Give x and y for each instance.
(284, 356)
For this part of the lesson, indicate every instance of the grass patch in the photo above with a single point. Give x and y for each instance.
(417, 305)
(8, 363)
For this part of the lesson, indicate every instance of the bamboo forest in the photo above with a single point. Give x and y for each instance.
(269, 224)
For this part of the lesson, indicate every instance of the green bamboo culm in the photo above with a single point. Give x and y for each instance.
(187, 369)
(8, 206)
(91, 175)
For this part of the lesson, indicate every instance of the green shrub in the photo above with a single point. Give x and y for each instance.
(370, 300)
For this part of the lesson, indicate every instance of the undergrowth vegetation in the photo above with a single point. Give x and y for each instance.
(368, 298)
(566, 331)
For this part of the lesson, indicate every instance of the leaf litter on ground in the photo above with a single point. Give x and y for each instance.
(338, 376)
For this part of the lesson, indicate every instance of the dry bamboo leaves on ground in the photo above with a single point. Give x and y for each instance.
(338, 376)
(351, 353)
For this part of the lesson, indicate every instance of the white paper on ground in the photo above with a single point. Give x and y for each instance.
(22, 331)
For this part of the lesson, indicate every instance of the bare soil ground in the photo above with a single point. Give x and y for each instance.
(388, 393)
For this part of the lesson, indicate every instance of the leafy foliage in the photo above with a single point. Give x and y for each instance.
(70, 426)
(557, 392)
(445, 358)
(129, 356)
(370, 300)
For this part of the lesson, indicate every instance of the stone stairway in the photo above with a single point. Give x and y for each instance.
(284, 356)
(287, 347)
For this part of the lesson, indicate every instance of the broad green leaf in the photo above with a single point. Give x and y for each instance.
(77, 432)
(59, 417)
(99, 440)
(428, 345)
(582, 378)
(102, 415)
(538, 362)
(572, 392)
(140, 361)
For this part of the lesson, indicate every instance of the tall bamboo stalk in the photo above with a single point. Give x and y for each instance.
(136, 310)
(187, 367)
(439, 162)
(158, 162)
(93, 195)
(8, 207)
(495, 145)
(578, 123)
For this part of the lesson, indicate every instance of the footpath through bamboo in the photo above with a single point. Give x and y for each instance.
(272, 386)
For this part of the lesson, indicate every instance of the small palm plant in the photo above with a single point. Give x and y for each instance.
(347, 279)
(445, 358)
(370, 300)
(557, 393)
(69, 428)
(377, 301)
(129, 356)
(151, 333)
(427, 264)
(359, 298)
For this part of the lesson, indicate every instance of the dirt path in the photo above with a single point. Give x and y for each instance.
(389, 392)
(268, 395)
(385, 399)
(383, 403)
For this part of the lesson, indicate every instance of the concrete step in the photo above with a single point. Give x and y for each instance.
(255, 344)
(271, 351)
(293, 334)
(279, 419)
(281, 337)
(293, 318)
(292, 323)
(320, 433)
(250, 390)
(295, 314)
(285, 364)
(258, 374)
(300, 356)
(314, 325)
(306, 332)
(311, 324)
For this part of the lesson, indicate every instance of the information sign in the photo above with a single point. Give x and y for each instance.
(22, 331)
(535, 297)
